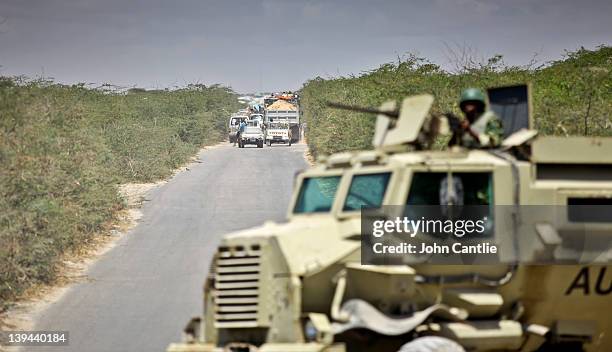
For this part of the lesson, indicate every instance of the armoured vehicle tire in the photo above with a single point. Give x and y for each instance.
(431, 344)
(568, 346)
(269, 143)
(260, 144)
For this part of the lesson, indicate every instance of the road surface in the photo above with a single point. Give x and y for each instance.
(141, 293)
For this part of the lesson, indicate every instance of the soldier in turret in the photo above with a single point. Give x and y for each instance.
(481, 128)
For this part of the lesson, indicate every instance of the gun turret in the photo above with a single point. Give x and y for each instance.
(394, 114)
(453, 120)
(408, 123)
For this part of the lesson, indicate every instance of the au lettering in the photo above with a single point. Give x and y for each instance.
(582, 283)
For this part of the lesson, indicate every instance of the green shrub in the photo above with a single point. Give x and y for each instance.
(566, 93)
(64, 149)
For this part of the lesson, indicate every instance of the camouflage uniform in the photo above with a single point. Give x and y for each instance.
(487, 126)
(489, 129)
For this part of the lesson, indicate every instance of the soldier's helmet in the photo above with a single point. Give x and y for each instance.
(472, 95)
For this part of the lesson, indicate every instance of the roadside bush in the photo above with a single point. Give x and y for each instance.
(64, 149)
(572, 96)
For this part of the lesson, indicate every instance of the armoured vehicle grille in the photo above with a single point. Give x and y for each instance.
(236, 290)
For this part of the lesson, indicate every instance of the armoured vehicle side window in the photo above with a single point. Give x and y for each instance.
(430, 192)
(477, 188)
(589, 209)
(317, 194)
(367, 191)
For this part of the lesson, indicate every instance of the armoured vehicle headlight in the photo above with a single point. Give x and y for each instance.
(318, 328)
(310, 331)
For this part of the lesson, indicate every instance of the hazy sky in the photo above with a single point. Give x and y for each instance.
(268, 45)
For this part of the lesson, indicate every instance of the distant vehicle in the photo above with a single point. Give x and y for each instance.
(278, 132)
(257, 117)
(283, 111)
(269, 100)
(289, 97)
(234, 121)
(252, 135)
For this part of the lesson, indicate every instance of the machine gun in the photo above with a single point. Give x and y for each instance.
(413, 124)
(394, 114)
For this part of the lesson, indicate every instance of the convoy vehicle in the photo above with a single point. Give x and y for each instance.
(301, 285)
(278, 132)
(257, 117)
(283, 111)
(269, 100)
(233, 124)
(252, 134)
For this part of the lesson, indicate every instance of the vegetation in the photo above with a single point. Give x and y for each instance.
(572, 96)
(64, 149)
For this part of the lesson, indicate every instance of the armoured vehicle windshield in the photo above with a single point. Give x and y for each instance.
(317, 194)
(366, 191)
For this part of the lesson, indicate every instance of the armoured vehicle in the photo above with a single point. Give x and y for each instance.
(301, 286)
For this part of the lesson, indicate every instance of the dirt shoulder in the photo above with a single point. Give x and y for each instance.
(310, 159)
(22, 315)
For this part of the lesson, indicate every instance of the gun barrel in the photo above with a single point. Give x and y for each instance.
(393, 113)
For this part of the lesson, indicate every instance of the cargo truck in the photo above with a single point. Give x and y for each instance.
(283, 111)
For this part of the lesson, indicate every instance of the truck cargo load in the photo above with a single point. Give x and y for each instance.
(283, 111)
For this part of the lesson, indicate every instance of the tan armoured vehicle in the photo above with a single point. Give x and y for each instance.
(301, 285)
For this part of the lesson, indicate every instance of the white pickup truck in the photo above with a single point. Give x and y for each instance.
(278, 132)
(252, 134)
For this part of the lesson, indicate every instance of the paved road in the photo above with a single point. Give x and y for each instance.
(142, 292)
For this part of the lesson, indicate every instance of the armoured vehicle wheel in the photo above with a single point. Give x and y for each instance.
(269, 143)
(431, 344)
(568, 346)
(260, 144)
